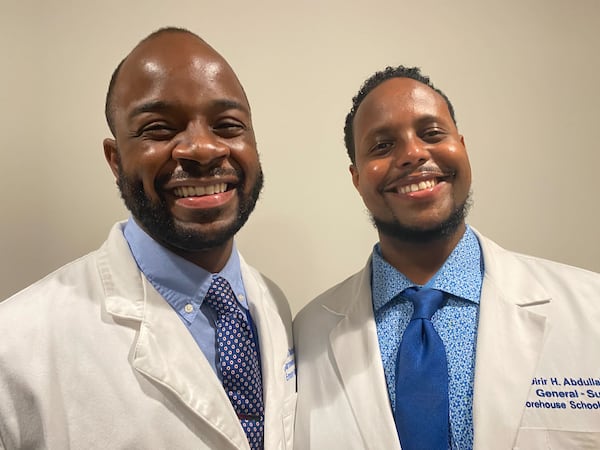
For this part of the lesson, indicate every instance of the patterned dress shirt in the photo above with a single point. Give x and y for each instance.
(184, 285)
(460, 278)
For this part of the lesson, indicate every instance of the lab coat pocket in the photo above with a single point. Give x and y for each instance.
(539, 438)
(288, 416)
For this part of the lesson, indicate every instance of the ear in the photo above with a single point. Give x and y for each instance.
(111, 153)
(354, 172)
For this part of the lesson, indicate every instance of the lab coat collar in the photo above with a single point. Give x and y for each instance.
(356, 353)
(509, 324)
(161, 349)
(509, 343)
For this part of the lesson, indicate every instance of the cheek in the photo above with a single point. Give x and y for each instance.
(372, 174)
(463, 182)
(136, 158)
(246, 156)
(149, 166)
(465, 169)
(456, 158)
(155, 159)
(368, 181)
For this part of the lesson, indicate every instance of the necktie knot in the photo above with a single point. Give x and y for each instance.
(425, 301)
(220, 297)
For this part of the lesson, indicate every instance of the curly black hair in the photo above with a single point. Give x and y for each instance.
(371, 83)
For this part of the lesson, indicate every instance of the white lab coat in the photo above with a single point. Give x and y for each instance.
(92, 357)
(539, 323)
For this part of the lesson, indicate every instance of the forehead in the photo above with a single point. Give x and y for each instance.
(400, 99)
(178, 68)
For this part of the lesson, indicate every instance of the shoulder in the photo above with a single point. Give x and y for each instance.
(255, 282)
(336, 302)
(49, 311)
(251, 275)
(53, 287)
(507, 266)
(75, 276)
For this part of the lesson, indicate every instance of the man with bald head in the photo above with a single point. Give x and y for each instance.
(164, 337)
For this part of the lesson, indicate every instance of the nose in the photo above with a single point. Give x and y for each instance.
(412, 153)
(201, 146)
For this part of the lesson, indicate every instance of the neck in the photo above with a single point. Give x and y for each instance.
(212, 259)
(419, 261)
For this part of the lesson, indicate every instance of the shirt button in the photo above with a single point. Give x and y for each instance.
(188, 308)
(241, 297)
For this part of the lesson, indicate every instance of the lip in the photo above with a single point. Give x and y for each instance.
(208, 201)
(200, 191)
(417, 185)
(206, 193)
(201, 182)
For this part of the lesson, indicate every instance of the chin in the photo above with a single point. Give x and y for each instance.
(198, 237)
(425, 231)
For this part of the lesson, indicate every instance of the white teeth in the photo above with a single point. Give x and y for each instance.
(196, 191)
(422, 185)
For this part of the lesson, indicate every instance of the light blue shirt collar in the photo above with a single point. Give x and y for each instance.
(461, 275)
(178, 280)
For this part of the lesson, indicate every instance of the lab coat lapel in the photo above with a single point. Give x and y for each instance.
(164, 350)
(273, 352)
(509, 344)
(355, 351)
(166, 353)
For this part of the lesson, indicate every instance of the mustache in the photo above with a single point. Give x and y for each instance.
(182, 174)
(421, 170)
(426, 169)
(414, 172)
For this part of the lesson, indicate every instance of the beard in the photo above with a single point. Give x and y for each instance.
(420, 235)
(158, 222)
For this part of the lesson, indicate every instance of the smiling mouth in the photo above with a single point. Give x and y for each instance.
(420, 186)
(199, 191)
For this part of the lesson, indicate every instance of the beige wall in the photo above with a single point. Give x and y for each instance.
(521, 74)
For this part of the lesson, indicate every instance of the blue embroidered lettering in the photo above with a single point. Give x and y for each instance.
(584, 405)
(546, 405)
(592, 394)
(561, 394)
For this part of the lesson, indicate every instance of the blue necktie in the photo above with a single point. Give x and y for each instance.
(239, 362)
(421, 409)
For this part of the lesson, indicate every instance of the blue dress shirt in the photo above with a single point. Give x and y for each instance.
(184, 285)
(460, 278)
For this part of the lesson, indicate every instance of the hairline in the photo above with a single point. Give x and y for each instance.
(371, 83)
(109, 109)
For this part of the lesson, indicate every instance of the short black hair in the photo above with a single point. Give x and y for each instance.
(371, 83)
(109, 110)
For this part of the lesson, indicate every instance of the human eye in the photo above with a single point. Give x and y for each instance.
(381, 148)
(229, 128)
(157, 131)
(433, 134)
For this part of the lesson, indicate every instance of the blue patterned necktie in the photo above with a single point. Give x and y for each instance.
(240, 366)
(421, 410)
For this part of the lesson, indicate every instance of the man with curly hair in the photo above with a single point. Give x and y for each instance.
(444, 340)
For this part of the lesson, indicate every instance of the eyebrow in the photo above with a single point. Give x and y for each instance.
(163, 106)
(230, 104)
(427, 118)
(419, 121)
(154, 106)
(387, 128)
